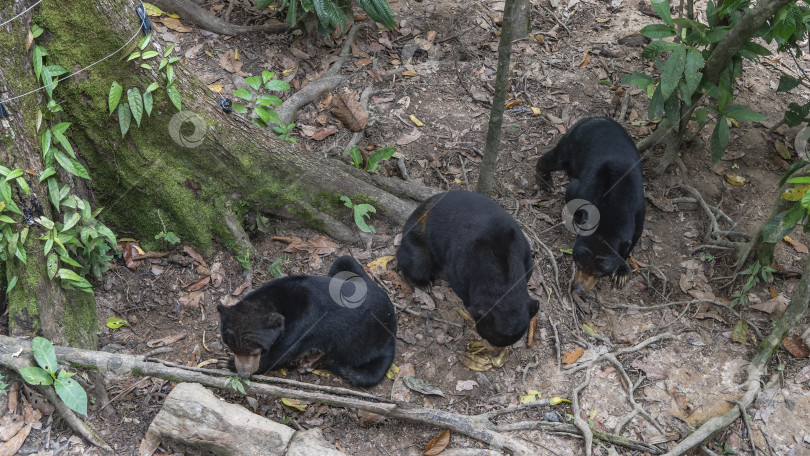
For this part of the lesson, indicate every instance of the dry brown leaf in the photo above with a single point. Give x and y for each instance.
(216, 274)
(511, 104)
(193, 254)
(229, 63)
(324, 133)
(396, 280)
(149, 444)
(409, 73)
(168, 340)
(319, 245)
(410, 137)
(38, 401)
(13, 397)
(346, 107)
(131, 250)
(326, 102)
(438, 444)
(13, 445)
(775, 306)
(421, 296)
(192, 299)
(315, 261)
(240, 289)
(216, 87)
(801, 248)
(585, 59)
(572, 356)
(532, 331)
(363, 62)
(477, 363)
(203, 281)
(383, 99)
(368, 419)
(795, 345)
(10, 425)
(772, 291)
(175, 25)
(735, 179)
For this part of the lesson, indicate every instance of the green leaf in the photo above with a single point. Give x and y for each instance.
(5, 192)
(70, 165)
(661, 7)
(742, 113)
(243, 93)
(658, 47)
(796, 114)
(135, 104)
(124, 118)
(239, 108)
(7, 219)
(274, 117)
(361, 211)
(262, 113)
(36, 376)
(346, 201)
(656, 31)
(267, 75)
(740, 331)
(685, 22)
(39, 54)
(356, 156)
(163, 63)
(71, 393)
(383, 154)
(672, 71)
(262, 4)
(277, 85)
(70, 261)
(115, 322)
(133, 56)
(36, 31)
(169, 74)
(168, 50)
(149, 54)
(53, 192)
(23, 185)
(691, 70)
(144, 42)
(71, 222)
(46, 142)
(255, 82)
(14, 174)
(44, 354)
(269, 100)
(152, 87)
(146, 66)
(656, 108)
(379, 11)
(787, 83)
(174, 95)
(52, 265)
(147, 103)
(11, 284)
(719, 140)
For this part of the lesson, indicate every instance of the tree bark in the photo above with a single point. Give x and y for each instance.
(521, 19)
(195, 173)
(486, 177)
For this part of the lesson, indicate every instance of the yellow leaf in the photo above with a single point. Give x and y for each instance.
(172, 15)
(152, 10)
(283, 371)
(795, 193)
(530, 396)
(588, 329)
(294, 403)
(215, 87)
(735, 179)
(409, 73)
(536, 111)
(465, 315)
(558, 400)
(393, 371)
(458, 181)
(380, 264)
(321, 373)
(592, 414)
(235, 54)
(511, 104)
(288, 71)
(416, 121)
(2, 205)
(475, 362)
(127, 240)
(501, 358)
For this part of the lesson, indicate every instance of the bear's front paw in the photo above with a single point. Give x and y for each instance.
(620, 276)
(545, 181)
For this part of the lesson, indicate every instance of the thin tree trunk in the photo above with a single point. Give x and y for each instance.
(486, 177)
(521, 19)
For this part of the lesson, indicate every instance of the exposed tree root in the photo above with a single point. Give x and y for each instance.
(188, 10)
(797, 307)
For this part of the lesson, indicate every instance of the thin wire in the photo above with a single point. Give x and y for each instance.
(137, 32)
(24, 11)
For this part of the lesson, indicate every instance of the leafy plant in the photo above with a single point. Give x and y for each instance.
(262, 104)
(169, 237)
(755, 273)
(361, 211)
(3, 385)
(284, 132)
(136, 103)
(275, 268)
(331, 14)
(68, 389)
(244, 260)
(685, 89)
(373, 161)
(237, 384)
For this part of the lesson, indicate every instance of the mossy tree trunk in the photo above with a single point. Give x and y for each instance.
(147, 181)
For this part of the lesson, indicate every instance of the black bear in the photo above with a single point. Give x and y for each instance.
(482, 252)
(346, 316)
(604, 200)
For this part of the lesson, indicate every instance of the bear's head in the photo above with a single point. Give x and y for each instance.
(249, 332)
(506, 322)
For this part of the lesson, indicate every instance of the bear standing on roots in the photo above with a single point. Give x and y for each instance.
(482, 252)
(604, 200)
(346, 316)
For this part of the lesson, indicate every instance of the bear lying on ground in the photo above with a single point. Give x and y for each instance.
(346, 316)
(482, 252)
(605, 198)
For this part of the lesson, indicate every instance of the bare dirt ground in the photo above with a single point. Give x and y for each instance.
(568, 68)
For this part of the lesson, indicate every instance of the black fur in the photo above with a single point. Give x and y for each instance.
(482, 252)
(291, 316)
(605, 169)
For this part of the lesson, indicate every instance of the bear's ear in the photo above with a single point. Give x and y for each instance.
(220, 308)
(274, 320)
